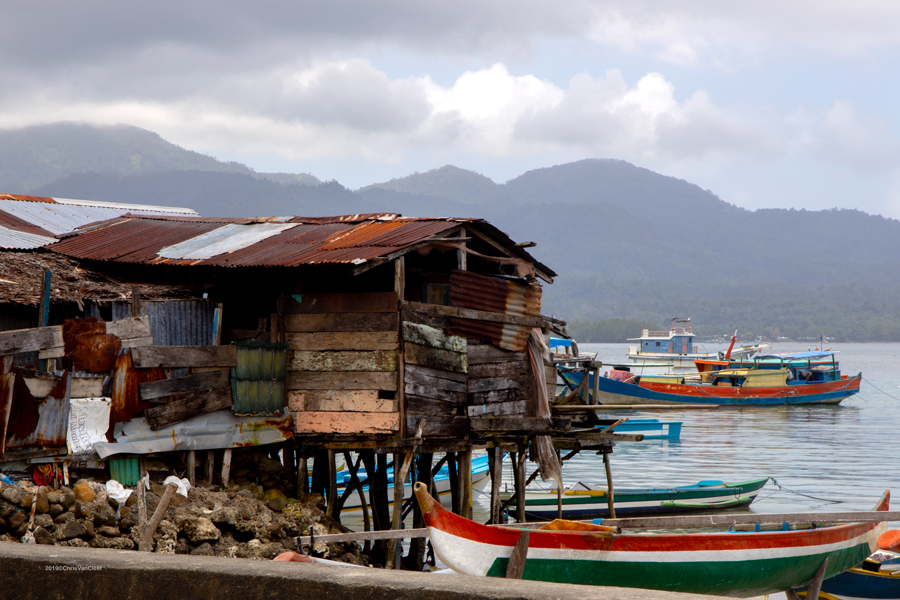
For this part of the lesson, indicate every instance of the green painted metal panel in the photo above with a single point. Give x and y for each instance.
(257, 382)
(125, 470)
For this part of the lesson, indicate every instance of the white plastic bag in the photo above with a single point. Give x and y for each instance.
(183, 484)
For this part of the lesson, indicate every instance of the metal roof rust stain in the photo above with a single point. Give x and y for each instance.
(24, 198)
(87, 344)
(126, 399)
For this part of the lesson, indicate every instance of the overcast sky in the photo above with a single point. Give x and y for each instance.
(766, 103)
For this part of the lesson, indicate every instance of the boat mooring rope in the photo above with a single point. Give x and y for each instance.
(781, 488)
(881, 390)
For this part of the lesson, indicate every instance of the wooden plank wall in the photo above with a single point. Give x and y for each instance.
(342, 363)
(435, 377)
(499, 382)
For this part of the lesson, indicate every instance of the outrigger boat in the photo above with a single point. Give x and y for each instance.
(724, 564)
(878, 577)
(786, 382)
(676, 347)
(582, 501)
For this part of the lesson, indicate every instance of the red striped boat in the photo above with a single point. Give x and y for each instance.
(722, 564)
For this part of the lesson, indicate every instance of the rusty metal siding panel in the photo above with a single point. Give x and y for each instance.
(493, 294)
(37, 423)
(175, 322)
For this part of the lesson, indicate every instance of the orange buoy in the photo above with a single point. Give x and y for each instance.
(889, 540)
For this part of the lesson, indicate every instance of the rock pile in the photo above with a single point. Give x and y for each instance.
(243, 521)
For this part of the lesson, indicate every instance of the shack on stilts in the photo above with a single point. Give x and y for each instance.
(391, 338)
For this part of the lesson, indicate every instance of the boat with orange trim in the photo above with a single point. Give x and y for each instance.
(739, 564)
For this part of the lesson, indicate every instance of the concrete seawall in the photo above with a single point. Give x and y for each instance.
(32, 572)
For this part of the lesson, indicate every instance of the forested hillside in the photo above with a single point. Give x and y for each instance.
(627, 243)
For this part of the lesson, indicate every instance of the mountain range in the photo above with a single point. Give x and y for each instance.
(627, 242)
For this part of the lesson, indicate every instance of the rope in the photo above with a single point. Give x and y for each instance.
(782, 488)
(880, 390)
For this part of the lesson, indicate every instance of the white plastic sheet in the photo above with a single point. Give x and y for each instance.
(88, 422)
(183, 484)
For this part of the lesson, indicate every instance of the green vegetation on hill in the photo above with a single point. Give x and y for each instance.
(627, 243)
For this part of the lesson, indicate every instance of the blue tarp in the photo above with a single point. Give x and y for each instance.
(799, 355)
(556, 342)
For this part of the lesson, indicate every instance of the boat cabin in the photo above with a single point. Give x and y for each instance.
(678, 340)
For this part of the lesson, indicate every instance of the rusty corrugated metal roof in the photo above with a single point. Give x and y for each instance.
(267, 242)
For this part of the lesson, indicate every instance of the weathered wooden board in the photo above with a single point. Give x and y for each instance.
(86, 387)
(343, 360)
(418, 317)
(490, 384)
(346, 422)
(519, 407)
(435, 358)
(343, 340)
(432, 337)
(505, 369)
(30, 340)
(437, 310)
(185, 356)
(183, 385)
(531, 424)
(342, 322)
(130, 329)
(486, 353)
(306, 380)
(420, 373)
(449, 427)
(429, 406)
(182, 410)
(511, 395)
(375, 302)
(332, 400)
(427, 391)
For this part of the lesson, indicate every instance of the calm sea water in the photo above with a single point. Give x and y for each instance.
(824, 457)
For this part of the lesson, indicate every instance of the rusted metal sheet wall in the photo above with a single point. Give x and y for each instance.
(37, 423)
(498, 295)
(175, 322)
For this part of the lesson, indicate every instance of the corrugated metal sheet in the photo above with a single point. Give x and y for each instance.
(493, 294)
(224, 240)
(220, 429)
(175, 322)
(39, 424)
(19, 240)
(63, 218)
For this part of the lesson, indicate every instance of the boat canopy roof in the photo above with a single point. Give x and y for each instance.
(799, 355)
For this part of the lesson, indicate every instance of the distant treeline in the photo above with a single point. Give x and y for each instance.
(609, 331)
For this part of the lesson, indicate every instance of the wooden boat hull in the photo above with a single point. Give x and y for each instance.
(724, 564)
(542, 506)
(828, 392)
(857, 584)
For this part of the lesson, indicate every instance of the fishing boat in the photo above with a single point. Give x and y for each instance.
(651, 429)
(583, 501)
(480, 477)
(877, 577)
(801, 363)
(724, 564)
(676, 347)
(786, 383)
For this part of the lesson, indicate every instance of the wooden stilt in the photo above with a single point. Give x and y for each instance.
(595, 391)
(210, 465)
(559, 490)
(454, 482)
(302, 476)
(320, 473)
(610, 493)
(399, 476)
(192, 467)
(520, 485)
(496, 462)
(290, 470)
(465, 466)
(226, 467)
(332, 488)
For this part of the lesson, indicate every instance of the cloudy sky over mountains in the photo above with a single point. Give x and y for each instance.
(765, 103)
